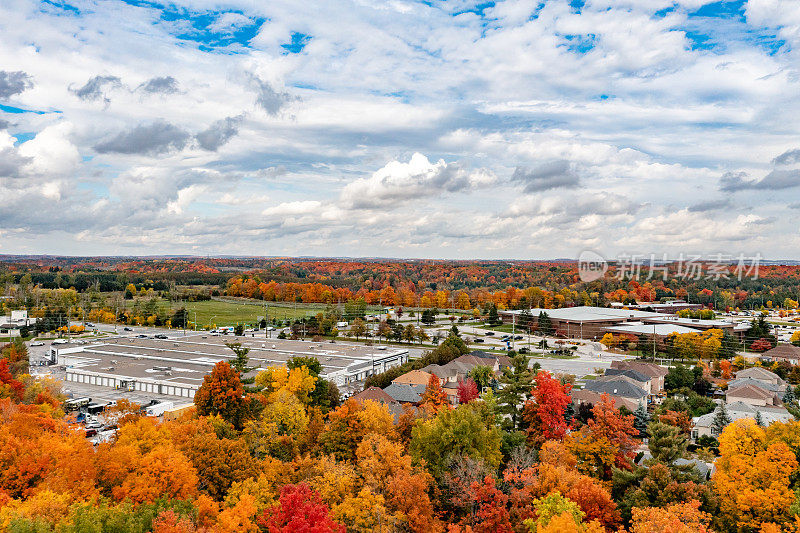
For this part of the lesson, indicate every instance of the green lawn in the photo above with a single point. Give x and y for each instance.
(229, 313)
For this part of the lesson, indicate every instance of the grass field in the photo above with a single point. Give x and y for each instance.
(230, 313)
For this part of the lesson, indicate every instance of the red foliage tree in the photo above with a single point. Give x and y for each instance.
(492, 515)
(544, 412)
(608, 422)
(761, 345)
(10, 387)
(299, 510)
(467, 390)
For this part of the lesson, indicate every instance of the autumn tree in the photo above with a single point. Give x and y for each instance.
(434, 395)
(544, 412)
(452, 433)
(753, 477)
(676, 518)
(300, 510)
(221, 394)
(467, 390)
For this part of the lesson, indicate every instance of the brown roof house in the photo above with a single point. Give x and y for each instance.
(782, 352)
(752, 395)
(655, 372)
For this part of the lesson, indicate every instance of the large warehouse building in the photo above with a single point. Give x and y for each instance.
(176, 367)
(587, 322)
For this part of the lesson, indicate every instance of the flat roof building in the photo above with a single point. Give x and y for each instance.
(177, 366)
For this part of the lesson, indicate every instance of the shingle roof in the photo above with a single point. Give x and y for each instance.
(757, 372)
(750, 391)
(788, 351)
(766, 385)
(375, 394)
(616, 388)
(631, 373)
(649, 369)
(403, 392)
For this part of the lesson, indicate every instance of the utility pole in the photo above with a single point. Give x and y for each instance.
(654, 342)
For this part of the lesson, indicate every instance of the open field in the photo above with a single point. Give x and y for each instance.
(231, 312)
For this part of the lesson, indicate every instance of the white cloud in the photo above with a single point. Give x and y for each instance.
(397, 182)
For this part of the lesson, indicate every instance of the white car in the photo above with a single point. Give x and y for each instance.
(60, 341)
(37, 343)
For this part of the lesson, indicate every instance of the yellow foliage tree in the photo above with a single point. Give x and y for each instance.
(753, 477)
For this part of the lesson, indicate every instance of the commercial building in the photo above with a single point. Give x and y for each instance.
(10, 325)
(585, 322)
(177, 366)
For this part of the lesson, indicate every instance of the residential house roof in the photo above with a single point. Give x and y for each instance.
(375, 394)
(783, 351)
(750, 391)
(649, 369)
(618, 387)
(766, 385)
(629, 372)
(763, 374)
(405, 393)
(414, 377)
(590, 397)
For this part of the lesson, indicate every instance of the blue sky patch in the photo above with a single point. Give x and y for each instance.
(580, 43)
(297, 43)
(68, 9)
(23, 137)
(16, 110)
(726, 9)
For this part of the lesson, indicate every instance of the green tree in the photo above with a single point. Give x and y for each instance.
(640, 420)
(666, 443)
(482, 375)
(516, 384)
(358, 328)
(545, 324)
(453, 433)
(721, 419)
(240, 363)
(238, 330)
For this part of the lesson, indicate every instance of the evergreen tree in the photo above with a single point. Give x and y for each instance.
(516, 384)
(545, 324)
(721, 419)
(789, 397)
(667, 443)
(240, 363)
(759, 419)
(640, 420)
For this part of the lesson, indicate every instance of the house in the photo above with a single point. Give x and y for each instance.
(778, 389)
(414, 377)
(380, 396)
(788, 353)
(703, 425)
(655, 372)
(376, 395)
(584, 396)
(620, 390)
(752, 395)
(761, 374)
(634, 376)
(405, 393)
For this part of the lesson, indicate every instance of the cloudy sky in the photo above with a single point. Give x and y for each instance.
(398, 128)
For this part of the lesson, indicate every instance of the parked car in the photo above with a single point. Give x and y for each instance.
(518, 338)
(141, 336)
(478, 339)
(126, 328)
(489, 333)
(37, 343)
(160, 336)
